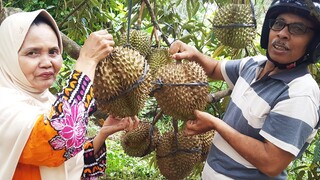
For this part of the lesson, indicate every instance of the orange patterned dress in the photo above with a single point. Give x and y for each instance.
(62, 135)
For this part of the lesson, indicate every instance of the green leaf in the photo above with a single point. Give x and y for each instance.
(218, 51)
(316, 157)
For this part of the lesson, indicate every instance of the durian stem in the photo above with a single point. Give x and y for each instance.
(155, 34)
(129, 21)
(175, 125)
(143, 4)
(155, 23)
(157, 117)
(176, 130)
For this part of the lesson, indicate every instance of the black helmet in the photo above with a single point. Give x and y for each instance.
(300, 8)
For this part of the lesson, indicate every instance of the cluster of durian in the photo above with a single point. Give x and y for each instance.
(233, 25)
(178, 154)
(133, 72)
(124, 80)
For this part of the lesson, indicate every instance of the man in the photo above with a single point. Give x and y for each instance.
(273, 112)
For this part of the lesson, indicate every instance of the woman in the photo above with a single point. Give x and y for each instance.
(43, 136)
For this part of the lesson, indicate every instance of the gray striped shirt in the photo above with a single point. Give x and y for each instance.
(282, 108)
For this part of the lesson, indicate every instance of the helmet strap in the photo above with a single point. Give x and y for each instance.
(288, 65)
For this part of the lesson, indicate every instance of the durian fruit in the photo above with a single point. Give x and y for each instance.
(122, 82)
(206, 142)
(158, 58)
(141, 140)
(138, 40)
(223, 2)
(232, 15)
(177, 155)
(180, 89)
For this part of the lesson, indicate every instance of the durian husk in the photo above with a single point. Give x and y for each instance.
(141, 140)
(138, 40)
(206, 142)
(177, 155)
(181, 101)
(235, 37)
(115, 78)
(158, 58)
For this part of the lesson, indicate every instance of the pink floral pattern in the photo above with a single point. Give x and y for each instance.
(71, 128)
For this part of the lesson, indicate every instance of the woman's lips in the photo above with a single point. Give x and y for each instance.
(46, 75)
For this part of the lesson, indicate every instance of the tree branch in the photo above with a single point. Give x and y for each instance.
(70, 47)
(155, 23)
(1, 6)
(72, 12)
(7, 11)
(215, 97)
(139, 21)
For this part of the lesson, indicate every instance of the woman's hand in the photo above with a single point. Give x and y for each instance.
(96, 48)
(202, 123)
(112, 125)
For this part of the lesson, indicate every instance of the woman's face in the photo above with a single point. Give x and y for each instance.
(285, 47)
(40, 57)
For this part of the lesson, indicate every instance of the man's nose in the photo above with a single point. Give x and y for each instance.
(284, 32)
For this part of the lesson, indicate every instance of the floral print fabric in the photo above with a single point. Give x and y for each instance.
(70, 120)
(63, 134)
(71, 129)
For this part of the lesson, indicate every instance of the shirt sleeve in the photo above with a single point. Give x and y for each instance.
(61, 135)
(94, 165)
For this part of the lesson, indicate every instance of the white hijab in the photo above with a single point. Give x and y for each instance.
(20, 104)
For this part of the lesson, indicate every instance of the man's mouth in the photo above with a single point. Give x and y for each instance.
(280, 46)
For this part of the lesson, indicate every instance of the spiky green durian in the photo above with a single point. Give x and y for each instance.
(181, 89)
(141, 140)
(138, 40)
(122, 82)
(233, 25)
(158, 58)
(177, 155)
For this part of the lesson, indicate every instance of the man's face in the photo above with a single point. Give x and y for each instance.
(287, 46)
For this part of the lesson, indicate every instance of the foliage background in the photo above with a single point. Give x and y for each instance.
(187, 20)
